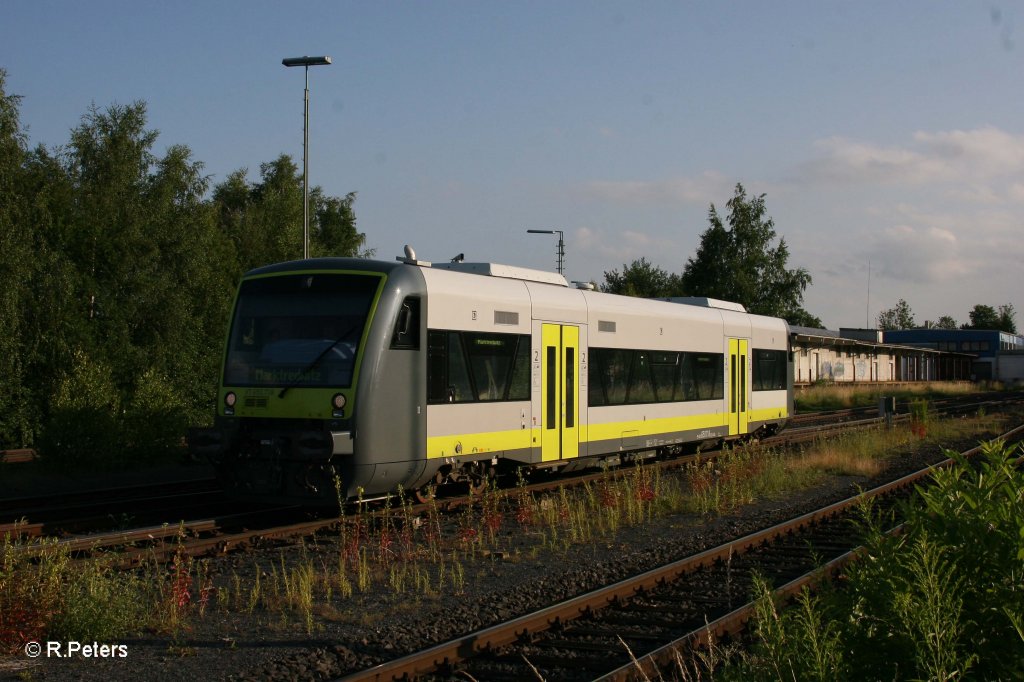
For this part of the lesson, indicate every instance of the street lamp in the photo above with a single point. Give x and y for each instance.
(306, 62)
(561, 246)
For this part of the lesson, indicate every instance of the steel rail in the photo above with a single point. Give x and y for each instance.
(221, 541)
(734, 623)
(465, 647)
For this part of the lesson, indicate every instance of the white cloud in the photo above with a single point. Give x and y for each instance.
(620, 247)
(986, 152)
(1016, 192)
(845, 160)
(963, 158)
(938, 216)
(923, 255)
(702, 189)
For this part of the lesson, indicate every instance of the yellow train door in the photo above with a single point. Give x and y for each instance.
(560, 382)
(739, 397)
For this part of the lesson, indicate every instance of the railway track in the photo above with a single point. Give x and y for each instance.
(170, 522)
(60, 514)
(631, 629)
(967, 402)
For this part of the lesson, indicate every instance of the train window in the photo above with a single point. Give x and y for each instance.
(552, 387)
(298, 330)
(732, 377)
(641, 386)
(406, 335)
(447, 371)
(459, 387)
(570, 388)
(476, 367)
(702, 376)
(520, 387)
(609, 375)
(665, 373)
(743, 383)
(437, 367)
(491, 358)
(619, 376)
(769, 370)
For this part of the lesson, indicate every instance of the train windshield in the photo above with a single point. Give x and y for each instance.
(298, 330)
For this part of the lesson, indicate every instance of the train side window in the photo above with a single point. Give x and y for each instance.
(609, 370)
(406, 335)
(447, 372)
(641, 384)
(491, 359)
(702, 376)
(665, 372)
(520, 388)
(460, 390)
(437, 367)
(465, 367)
(769, 370)
(619, 377)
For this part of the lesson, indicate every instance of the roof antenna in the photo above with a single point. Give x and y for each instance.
(410, 258)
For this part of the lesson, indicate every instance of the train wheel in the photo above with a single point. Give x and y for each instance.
(429, 491)
(478, 482)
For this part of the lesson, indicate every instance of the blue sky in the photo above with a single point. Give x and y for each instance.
(882, 133)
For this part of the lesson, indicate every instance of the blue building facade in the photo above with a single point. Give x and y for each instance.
(989, 347)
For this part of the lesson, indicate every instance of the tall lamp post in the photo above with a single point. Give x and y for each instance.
(561, 246)
(306, 62)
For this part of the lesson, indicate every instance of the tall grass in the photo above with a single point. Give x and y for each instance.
(942, 601)
(837, 397)
(46, 594)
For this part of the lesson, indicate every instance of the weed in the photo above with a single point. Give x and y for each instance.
(936, 602)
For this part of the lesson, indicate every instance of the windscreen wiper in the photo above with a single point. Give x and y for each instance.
(316, 361)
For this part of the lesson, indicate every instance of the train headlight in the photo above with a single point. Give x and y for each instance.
(229, 403)
(338, 403)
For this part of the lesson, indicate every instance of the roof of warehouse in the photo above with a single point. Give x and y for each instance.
(827, 337)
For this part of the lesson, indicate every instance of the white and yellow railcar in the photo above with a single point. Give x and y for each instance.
(604, 375)
(373, 375)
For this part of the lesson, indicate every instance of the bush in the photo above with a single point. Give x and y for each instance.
(942, 601)
(155, 420)
(46, 595)
(89, 426)
(83, 426)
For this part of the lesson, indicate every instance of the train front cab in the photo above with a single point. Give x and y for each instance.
(313, 349)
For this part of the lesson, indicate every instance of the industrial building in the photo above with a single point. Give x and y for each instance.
(996, 355)
(868, 355)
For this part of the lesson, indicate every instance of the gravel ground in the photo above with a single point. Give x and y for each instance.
(370, 627)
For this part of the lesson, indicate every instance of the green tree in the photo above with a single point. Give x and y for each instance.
(983, 317)
(986, 317)
(1007, 319)
(15, 266)
(739, 262)
(264, 220)
(116, 276)
(802, 318)
(333, 229)
(139, 255)
(898, 317)
(640, 278)
(945, 322)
